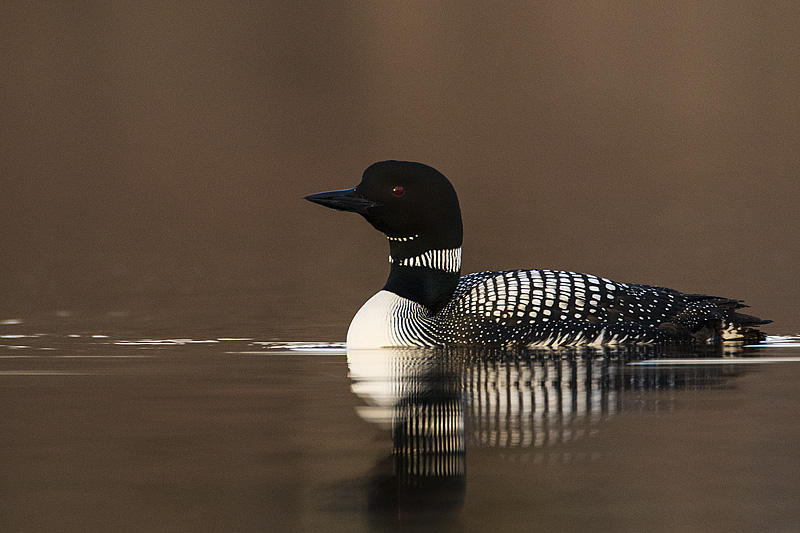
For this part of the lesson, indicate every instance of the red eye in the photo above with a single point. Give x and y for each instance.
(398, 190)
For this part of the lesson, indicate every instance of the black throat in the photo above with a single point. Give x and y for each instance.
(430, 282)
(430, 287)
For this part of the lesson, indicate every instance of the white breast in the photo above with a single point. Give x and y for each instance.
(386, 320)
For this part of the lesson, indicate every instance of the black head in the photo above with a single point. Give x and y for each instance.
(403, 200)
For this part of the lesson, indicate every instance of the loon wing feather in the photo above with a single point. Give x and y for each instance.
(556, 307)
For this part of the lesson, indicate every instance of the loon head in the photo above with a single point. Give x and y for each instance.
(413, 204)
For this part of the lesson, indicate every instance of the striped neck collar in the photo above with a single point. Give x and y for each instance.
(446, 260)
(403, 239)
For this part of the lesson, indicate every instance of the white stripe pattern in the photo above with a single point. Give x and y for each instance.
(403, 239)
(447, 260)
(387, 319)
(410, 325)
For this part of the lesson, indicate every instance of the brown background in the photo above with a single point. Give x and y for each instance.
(151, 153)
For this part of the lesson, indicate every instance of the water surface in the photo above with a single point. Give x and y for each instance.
(116, 429)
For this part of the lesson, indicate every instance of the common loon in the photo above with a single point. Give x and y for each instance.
(426, 301)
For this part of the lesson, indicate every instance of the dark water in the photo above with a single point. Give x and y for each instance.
(111, 429)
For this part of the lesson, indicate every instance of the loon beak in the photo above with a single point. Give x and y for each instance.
(344, 200)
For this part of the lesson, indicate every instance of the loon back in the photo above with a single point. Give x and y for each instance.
(426, 302)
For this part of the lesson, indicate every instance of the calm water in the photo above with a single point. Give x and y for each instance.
(114, 427)
(154, 160)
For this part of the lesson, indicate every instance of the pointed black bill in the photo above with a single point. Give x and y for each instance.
(344, 200)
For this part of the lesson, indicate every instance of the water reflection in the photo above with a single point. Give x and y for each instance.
(438, 403)
(418, 395)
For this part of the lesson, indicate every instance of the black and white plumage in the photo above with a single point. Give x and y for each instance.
(556, 308)
(426, 302)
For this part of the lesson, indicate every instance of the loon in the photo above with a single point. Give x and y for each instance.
(426, 301)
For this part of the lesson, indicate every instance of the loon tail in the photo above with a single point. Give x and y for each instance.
(742, 326)
(710, 318)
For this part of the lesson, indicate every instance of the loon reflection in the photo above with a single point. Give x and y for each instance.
(439, 402)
